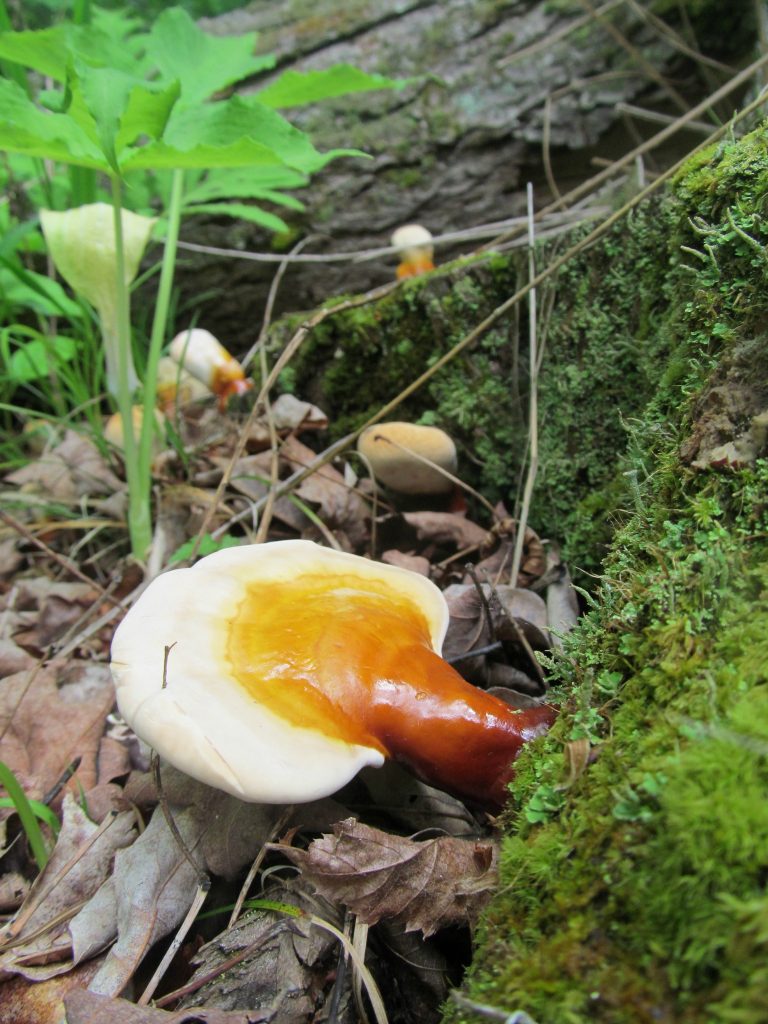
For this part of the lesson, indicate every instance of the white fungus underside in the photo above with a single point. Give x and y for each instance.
(204, 721)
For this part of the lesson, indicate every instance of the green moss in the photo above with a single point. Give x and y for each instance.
(636, 893)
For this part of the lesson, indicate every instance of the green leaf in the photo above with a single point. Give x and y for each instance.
(207, 547)
(25, 129)
(250, 213)
(297, 88)
(204, 64)
(118, 108)
(45, 51)
(40, 810)
(37, 358)
(248, 183)
(26, 815)
(22, 287)
(234, 133)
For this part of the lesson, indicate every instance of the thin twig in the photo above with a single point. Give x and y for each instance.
(61, 560)
(491, 1012)
(286, 486)
(533, 398)
(276, 829)
(202, 878)
(35, 899)
(203, 888)
(591, 184)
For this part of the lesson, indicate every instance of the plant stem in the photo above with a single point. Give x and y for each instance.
(160, 321)
(139, 519)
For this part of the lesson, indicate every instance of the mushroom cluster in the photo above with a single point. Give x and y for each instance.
(277, 671)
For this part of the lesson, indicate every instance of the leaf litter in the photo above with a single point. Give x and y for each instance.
(389, 858)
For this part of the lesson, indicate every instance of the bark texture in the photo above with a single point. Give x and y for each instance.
(455, 147)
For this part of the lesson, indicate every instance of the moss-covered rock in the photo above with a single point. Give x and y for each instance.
(636, 891)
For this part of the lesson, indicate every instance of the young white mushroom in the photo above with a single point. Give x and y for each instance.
(203, 356)
(408, 457)
(290, 666)
(416, 250)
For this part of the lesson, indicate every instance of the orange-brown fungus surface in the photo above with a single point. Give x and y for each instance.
(312, 651)
(352, 658)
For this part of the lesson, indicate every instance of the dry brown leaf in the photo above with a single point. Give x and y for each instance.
(286, 966)
(290, 413)
(412, 805)
(153, 884)
(426, 885)
(13, 659)
(339, 507)
(10, 556)
(448, 528)
(41, 1002)
(416, 563)
(49, 717)
(73, 470)
(90, 1008)
(47, 951)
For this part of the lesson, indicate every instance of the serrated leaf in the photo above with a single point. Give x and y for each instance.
(253, 214)
(118, 108)
(233, 133)
(297, 88)
(25, 129)
(426, 885)
(204, 64)
(45, 51)
(248, 183)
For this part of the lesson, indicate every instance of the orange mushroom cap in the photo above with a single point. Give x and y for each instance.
(293, 666)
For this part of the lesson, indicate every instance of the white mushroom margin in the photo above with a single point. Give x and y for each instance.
(204, 721)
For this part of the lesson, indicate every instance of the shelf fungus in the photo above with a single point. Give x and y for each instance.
(291, 666)
(414, 244)
(205, 358)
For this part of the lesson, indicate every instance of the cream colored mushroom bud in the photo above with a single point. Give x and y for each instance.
(416, 250)
(408, 457)
(113, 428)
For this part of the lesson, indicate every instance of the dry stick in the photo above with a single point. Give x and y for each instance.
(652, 72)
(337, 447)
(656, 117)
(233, 961)
(285, 356)
(203, 888)
(491, 1012)
(554, 37)
(279, 825)
(34, 900)
(61, 560)
(261, 347)
(533, 399)
(202, 878)
(676, 40)
(545, 152)
(656, 140)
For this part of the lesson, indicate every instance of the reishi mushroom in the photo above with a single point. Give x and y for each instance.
(292, 666)
(415, 249)
(397, 451)
(203, 356)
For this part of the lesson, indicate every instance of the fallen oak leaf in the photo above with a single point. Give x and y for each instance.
(425, 884)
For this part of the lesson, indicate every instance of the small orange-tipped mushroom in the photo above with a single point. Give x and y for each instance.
(416, 250)
(404, 456)
(205, 358)
(292, 666)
